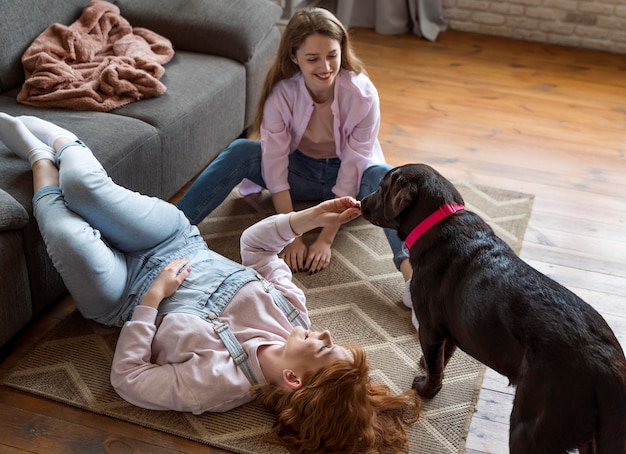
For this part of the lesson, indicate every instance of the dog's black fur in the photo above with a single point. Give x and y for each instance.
(470, 289)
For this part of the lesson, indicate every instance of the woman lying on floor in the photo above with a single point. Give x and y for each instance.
(201, 332)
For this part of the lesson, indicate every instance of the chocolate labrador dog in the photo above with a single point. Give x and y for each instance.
(470, 289)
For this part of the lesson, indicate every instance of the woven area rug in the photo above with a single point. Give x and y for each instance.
(358, 298)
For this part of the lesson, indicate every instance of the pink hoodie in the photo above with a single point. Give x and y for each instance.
(177, 361)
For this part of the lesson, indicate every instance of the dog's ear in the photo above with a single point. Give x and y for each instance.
(399, 201)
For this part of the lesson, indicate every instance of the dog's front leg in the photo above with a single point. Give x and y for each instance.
(434, 360)
(449, 348)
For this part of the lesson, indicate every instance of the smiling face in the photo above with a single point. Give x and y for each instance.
(319, 60)
(306, 352)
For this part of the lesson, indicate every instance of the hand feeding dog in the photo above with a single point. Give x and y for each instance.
(469, 289)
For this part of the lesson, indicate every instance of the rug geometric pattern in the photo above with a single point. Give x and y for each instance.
(357, 298)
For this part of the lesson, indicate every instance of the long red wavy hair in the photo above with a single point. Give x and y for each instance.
(339, 410)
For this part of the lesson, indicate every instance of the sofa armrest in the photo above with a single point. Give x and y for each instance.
(227, 28)
(13, 216)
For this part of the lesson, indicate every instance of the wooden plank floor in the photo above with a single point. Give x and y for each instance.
(540, 119)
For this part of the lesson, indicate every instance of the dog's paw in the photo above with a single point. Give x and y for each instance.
(424, 388)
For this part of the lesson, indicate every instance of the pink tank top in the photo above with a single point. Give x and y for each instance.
(318, 141)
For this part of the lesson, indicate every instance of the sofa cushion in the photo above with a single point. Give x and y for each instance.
(129, 149)
(202, 110)
(231, 29)
(33, 17)
(15, 296)
(13, 216)
(122, 145)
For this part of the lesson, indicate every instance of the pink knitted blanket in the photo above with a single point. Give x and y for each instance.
(98, 63)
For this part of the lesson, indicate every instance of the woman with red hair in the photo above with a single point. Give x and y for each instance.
(339, 410)
(201, 333)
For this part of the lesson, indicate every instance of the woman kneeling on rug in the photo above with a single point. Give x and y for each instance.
(198, 328)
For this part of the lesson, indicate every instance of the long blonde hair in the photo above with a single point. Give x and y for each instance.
(303, 24)
(339, 410)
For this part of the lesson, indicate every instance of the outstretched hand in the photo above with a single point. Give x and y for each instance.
(330, 213)
(337, 211)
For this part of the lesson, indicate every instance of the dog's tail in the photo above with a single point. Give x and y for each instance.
(610, 434)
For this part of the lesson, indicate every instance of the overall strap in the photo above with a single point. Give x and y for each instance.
(292, 314)
(240, 357)
(235, 349)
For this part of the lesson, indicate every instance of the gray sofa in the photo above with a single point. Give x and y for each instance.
(155, 146)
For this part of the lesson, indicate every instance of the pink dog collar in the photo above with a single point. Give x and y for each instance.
(442, 212)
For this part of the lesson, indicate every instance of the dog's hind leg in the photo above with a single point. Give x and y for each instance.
(587, 448)
(610, 433)
(610, 436)
(608, 443)
(553, 409)
(531, 430)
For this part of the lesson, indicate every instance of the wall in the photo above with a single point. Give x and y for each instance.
(592, 24)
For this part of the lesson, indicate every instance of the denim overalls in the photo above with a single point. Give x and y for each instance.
(221, 278)
(110, 243)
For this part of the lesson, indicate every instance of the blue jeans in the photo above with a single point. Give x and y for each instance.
(309, 180)
(108, 243)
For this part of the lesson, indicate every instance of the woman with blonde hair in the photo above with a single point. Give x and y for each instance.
(200, 333)
(318, 119)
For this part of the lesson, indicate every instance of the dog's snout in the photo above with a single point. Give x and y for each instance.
(366, 206)
(370, 209)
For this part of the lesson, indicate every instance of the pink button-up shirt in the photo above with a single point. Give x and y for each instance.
(356, 113)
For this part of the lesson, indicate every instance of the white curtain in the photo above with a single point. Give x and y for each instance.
(390, 17)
